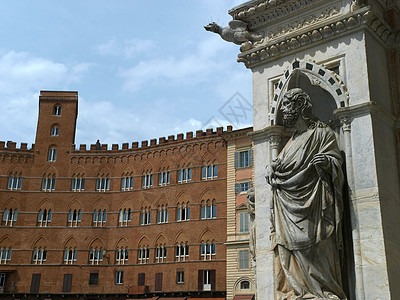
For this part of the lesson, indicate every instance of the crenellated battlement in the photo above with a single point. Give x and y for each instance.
(153, 143)
(10, 145)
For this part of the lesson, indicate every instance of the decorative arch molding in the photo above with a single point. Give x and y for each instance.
(162, 199)
(163, 165)
(96, 242)
(16, 168)
(125, 203)
(100, 204)
(50, 170)
(39, 241)
(103, 171)
(78, 170)
(45, 204)
(160, 239)
(208, 194)
(122, 241)
(127, 168)
(318, 75)
(146, 202)
(206, 235)
(208, 157)
(11, 203)
(236, 286)
(183, 197)
(181, 237)
(74, 204)
(147, 167)
(6, 241)
(70, 242)
(143, 241)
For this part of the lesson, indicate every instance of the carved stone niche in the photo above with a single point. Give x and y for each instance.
(326, 89)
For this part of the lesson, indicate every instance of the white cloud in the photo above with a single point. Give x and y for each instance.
(188, 69)
(21, 75)
(126, 48)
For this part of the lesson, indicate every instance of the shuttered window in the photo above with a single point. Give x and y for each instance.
(35, 283)
(243, 222)
(158, 286)
(141, 279)
(244, 159)
(67, 283)
(243, 259)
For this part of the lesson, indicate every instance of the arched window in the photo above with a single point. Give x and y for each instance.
(52, 154)
(49, 183)
(162, 214)
(208, 250)
(74, 217)
(15, 181)
(44, 217)
(145, 216)
(95, 256)
(99, 217)
(208, 209)
(161, 253)
(182, 251)
(70, 255)
(143, 255)
(124, 216)
(57, 110)
(209, 171)
(147, 180)
(184, 174)
(127, 182)
(245, 285)
(55, 130)
(39, 255)
(121, 255)
(5, 254)
(183, 212)
(78, 183)
(103, 183)
(164, 177)
(10, 216)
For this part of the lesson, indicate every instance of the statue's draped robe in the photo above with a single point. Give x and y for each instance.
(307, 214)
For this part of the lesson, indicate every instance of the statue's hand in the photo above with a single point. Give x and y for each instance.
(320, 160)
(270, 176)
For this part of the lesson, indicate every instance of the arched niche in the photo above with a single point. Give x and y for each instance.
(326, 89)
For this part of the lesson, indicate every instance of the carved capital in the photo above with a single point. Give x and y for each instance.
(274, 141)
(346, 124)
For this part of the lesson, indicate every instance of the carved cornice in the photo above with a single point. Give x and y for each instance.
(270, 133)
(313, 35)
(258, 13)
(347, 114)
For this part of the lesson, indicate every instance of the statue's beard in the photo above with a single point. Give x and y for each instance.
(290, 117)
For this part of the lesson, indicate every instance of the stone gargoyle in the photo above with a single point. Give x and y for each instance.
(236, 32)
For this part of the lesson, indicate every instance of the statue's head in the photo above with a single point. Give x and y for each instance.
(213, 27)
(297, 103)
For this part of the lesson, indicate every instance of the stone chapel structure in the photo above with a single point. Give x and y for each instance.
(346, 56)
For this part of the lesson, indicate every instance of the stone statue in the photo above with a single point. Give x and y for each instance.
(251, 208)
(307, 180)
(236, 32)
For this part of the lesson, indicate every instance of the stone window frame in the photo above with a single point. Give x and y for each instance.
(39, 255)
(10, 216)
(44, 217)
(14, 181)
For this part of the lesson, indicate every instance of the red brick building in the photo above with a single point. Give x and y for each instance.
(143, 221)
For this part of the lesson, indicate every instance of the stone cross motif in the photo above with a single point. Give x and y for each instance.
(306, 207)
(237, 32)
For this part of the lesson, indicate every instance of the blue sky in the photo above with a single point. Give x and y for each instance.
(143, 69)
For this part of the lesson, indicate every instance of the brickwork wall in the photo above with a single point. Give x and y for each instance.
(172, 154)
